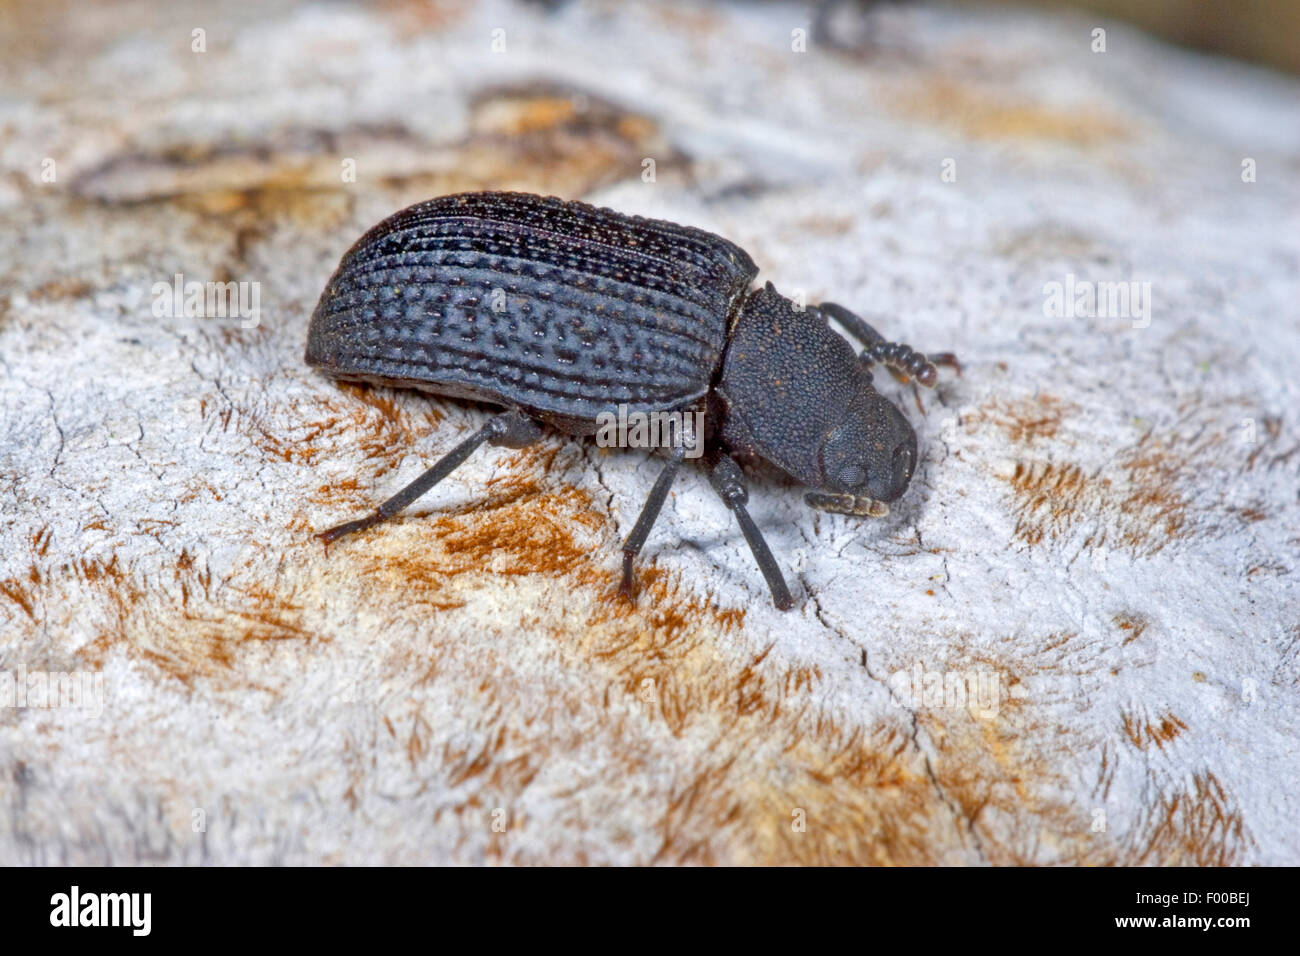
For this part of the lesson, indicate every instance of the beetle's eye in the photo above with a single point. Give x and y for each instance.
(851, 476)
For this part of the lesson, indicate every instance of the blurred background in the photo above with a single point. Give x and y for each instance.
(1264, 31)
(1260, 31)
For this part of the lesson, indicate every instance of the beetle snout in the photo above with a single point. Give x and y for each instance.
(891, 476)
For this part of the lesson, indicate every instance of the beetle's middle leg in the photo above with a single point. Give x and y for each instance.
(510, 429)
(649, 514)
(904, 362)
(729, 482)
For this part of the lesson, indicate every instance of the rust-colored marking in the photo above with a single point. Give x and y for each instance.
(1144, 733)
(1134, 626)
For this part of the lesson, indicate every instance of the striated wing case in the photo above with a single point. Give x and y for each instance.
(559, 308)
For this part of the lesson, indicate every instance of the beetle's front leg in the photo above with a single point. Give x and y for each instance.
(904, 362)
(729, 482)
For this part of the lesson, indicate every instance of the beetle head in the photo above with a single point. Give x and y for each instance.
(866, 459)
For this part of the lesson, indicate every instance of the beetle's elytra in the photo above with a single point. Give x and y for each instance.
(560, 312)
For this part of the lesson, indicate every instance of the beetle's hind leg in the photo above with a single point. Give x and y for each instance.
(509, 429)
(649, 513)
(904, 362)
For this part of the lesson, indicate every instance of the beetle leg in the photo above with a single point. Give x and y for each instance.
(729, 482)
(946, 359)
(509, 429)
(904, 362)
(649, 513)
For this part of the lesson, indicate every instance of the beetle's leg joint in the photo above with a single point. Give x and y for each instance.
(513, 429)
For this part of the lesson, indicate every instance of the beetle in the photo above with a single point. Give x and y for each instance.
(559, 312)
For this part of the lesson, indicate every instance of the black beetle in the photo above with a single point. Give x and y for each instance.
(562, 312)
